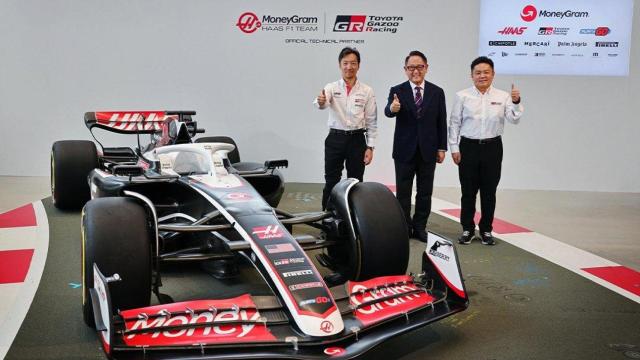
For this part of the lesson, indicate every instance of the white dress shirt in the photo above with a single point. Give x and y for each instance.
(355, 111)
(413, 90)
(481, 116)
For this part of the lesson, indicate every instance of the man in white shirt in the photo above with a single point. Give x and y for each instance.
(352, 123)
(475, 140)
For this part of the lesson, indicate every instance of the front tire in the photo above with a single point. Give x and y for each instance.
(71, 162)
(381, 243)
(116, 235)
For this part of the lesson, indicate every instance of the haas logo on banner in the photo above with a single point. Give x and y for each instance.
(248, 23)
(268, 232)
(511, 30)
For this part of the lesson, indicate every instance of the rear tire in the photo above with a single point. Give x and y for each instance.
(116, 235)
(233, 156)
(71, 163)
(381, 246)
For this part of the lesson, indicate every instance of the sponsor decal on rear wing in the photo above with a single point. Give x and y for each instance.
(130, 122)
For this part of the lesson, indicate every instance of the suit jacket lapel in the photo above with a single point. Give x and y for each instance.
(426, 97)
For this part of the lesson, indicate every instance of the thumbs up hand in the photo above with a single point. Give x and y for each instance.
(515, 94)
(322, 99)
(395, 105)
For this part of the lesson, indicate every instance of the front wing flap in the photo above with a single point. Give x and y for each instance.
(260, 327)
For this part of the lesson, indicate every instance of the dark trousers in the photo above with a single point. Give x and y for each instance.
(342, 150)
(479, 169)
(423, 171)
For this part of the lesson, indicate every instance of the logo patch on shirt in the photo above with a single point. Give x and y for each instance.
(337, 93)
(496, 103)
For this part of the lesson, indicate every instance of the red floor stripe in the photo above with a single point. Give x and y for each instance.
(14, 265)
(20, 217)
(620, 276)
(499, 226)
(391, 187)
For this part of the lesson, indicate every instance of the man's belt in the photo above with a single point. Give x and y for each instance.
(480, 141)
(347, 132)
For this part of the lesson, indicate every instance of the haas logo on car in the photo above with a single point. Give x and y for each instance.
(326, 326)
(268, 232)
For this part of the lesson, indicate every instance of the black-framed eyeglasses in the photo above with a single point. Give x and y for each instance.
(412, 68)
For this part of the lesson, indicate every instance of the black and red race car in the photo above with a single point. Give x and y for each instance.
(178, 200)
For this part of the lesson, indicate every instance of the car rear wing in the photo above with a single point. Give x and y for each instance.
(134, 122)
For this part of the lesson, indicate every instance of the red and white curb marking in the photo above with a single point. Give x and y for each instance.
(615, 277)
(24, 243)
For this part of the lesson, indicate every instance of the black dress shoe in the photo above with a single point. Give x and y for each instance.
(420, 235)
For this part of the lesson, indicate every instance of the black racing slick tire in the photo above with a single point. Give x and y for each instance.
(116, 236)
(71, 163)
(233, 156)
(381, 245)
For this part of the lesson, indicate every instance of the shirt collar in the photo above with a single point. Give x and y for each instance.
(477, 92)
(343, 84)
(413, 86)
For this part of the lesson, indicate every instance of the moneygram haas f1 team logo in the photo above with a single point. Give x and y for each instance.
(529, 13)
(248, 22)
(349, 23)
(268, 232)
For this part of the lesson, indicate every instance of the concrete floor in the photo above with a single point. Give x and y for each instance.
(522, 306)
(605, 224)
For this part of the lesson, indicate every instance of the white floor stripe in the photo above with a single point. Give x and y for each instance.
(18, 238)
(15, 309)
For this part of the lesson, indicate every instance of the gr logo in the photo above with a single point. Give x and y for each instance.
(349, 23)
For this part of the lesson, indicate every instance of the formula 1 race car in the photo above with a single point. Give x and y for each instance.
(176, 200)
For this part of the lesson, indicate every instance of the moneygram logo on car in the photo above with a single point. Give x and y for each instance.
(367, 23)
(530, 13)
(248, 22)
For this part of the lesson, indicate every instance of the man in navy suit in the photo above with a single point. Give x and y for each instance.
(419, 141)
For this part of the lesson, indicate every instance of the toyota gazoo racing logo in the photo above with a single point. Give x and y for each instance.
(268, 232)
(512, 30)
(367, 23)
(287, 261)
(529, 13)
(326, 326)
(248, 22)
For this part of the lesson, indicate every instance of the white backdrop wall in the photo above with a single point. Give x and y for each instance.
(59, 59)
